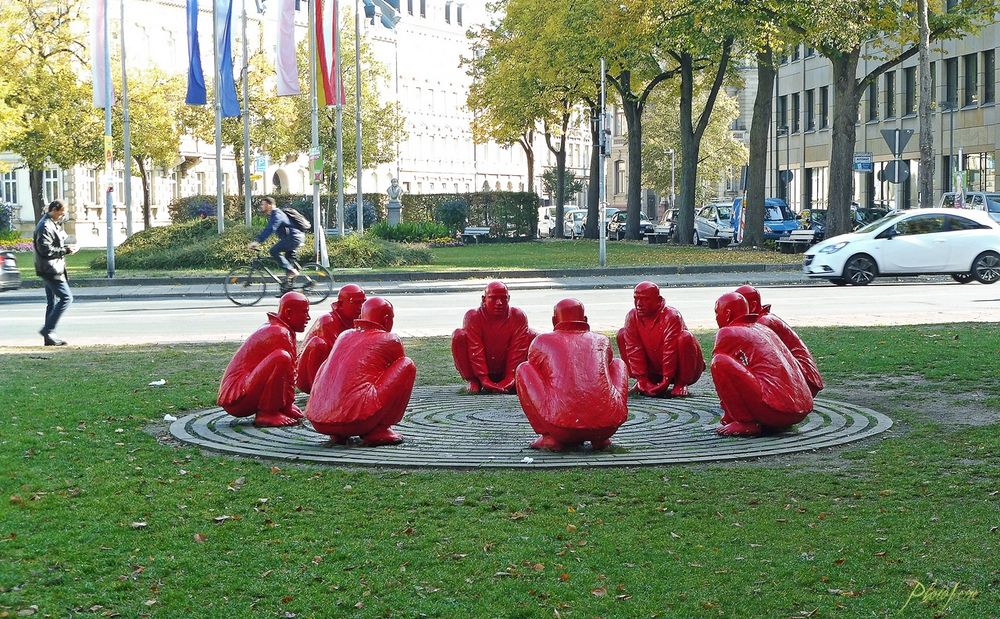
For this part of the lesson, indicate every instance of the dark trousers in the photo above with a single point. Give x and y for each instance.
(286, 249)
(57, 299)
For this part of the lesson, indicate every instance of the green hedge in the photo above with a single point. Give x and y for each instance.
(409, 231)
(196, 244)
(200, 206)
(509, 214)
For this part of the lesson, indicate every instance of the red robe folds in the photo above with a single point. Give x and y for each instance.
(317, 345)
(661, 348)
(798, 348)
(493, 347)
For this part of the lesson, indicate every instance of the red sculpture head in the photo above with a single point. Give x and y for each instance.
(376, 313)
(729, 308)
(569, 313)
(293, 310)
(349, 301)
(752, 296)
(496, 300)
(648, 301)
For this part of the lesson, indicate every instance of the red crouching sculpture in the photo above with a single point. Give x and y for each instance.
(570, 388)
(657, 347)
(492, 342)
(787, 335)
(321, 336)
(365, 384)
(758, 380)
(260, 380)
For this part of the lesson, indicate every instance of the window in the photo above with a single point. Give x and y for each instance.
(909, 91)
(824, 107)
(8, 187)
(934, 92)
(782, 111)
(50, 185)
(423, 8)
(951, 80)
(921, 224)
(810, 52)
(961, 223)
(989, 76)
(890, 94)
(971, 91)
(795, 112)
(795, 53)
(810, 111)
(409, 6)
(202, 183)
(458, 14)
(447, 12)
(873, 101)
(619, 176)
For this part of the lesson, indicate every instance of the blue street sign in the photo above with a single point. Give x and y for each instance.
(863, 162)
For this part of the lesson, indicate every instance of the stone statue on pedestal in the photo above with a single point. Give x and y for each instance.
(395, 193)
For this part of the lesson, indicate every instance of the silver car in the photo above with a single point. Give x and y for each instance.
(714, 220)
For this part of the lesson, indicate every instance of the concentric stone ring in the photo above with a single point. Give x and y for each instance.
(443, 428)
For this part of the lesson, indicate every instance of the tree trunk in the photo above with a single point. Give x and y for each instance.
(527, 143)
(592, 230)
(843, 135)
(633, 192)
(560, 154)
(925, 173)
(144, 175)
(238, 155)
(37, 199)
(753, 205)
(689, 153)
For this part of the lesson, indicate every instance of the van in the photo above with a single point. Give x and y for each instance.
(978, 200)
(546, 221)
(779, 220)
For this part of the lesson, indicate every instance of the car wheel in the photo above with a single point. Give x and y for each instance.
(963, 278)
(838, 281)
(697, 241)
(860, 270)
(986, 267)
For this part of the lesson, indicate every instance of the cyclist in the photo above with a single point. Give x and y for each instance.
(289, 239)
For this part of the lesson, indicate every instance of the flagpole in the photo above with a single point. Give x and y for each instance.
(109, 209)
(220, 214)
(126, 133)
(357, 111)
(340, 116)
(247, 214)
(320, 228)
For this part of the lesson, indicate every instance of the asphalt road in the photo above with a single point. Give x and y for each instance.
(92, 322)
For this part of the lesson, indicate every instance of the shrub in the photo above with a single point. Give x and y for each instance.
(453, 213)
(6, 216)
(509, 214)
(195, 207)
(351, 214)
(364, 251)
(9, 236)
(408, 231)
(17, 245)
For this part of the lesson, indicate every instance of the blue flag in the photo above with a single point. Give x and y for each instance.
(196, 78)
(227, 84)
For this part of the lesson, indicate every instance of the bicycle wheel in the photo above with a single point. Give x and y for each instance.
(315, 282)
(245, 286)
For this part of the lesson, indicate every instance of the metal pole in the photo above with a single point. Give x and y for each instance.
(951, 145)
(247, 214)
(126, 133)
(357, 112)
(319, 244)
(673, 195)
(899, 185)
(220, 214)
(109, 209)
(398, 105)
(602, 232)
(788, 164)
(340, 117)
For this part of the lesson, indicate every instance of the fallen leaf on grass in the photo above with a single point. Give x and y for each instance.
(538, 567)
(149, 602)
(158, 383)
(564, 577)
(139, 525)
(200, 538)
(599, 592)
(674, 535)
(237, 484)
(287, 599)
(518, 516)
(221, 519)
(15, 499)
(840, 561)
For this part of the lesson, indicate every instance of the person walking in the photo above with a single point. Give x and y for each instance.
(50, 264)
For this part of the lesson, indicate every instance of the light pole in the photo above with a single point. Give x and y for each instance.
(784, 179)
(950, 106)
(672, 168)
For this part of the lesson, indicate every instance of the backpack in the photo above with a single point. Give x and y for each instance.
(297, 219)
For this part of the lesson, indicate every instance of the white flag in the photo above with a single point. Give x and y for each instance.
(97, 57)
(288, 72)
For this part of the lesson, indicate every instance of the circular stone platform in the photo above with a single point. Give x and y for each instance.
(443, 428)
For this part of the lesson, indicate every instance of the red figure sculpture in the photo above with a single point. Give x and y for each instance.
(758, 380)
(365, 384)
(492, 342)
(571, 388)
(787, 335)
(657, 347)
(260, 380)
(321, 336)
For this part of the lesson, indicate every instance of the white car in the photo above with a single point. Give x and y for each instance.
(962, 243)
(574, 220)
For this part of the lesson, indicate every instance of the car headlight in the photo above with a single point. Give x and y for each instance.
(830, 249)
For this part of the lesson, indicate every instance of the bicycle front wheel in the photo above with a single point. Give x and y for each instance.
(245, 286)
(315, 282)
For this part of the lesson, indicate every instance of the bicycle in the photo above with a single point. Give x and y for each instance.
(246, 285)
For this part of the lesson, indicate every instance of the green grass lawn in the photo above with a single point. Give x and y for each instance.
(98, 518)
(548, 254)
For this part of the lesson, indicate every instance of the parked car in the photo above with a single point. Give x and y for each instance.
(779, 220)
(963, 244)
(574, 220)
(980, 201)
(864, 216)
(616, 225)
(10, 276)
(812, 219)
(714, 220)
(546, 221)
(668, 221)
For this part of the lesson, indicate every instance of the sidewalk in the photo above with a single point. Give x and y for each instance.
(441, 282)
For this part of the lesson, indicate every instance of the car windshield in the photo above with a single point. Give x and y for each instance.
(993, 202)
(773, 212)
(875, 225)
(725, 213)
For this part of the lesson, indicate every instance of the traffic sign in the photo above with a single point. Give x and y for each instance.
(863, 162)
(897, 139)
(260, 163)
(895, 172)
(786, 176)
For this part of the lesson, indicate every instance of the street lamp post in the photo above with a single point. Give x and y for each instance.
(950, 106)
(672, 168)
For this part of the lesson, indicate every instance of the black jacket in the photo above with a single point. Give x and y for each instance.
(50, 249)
